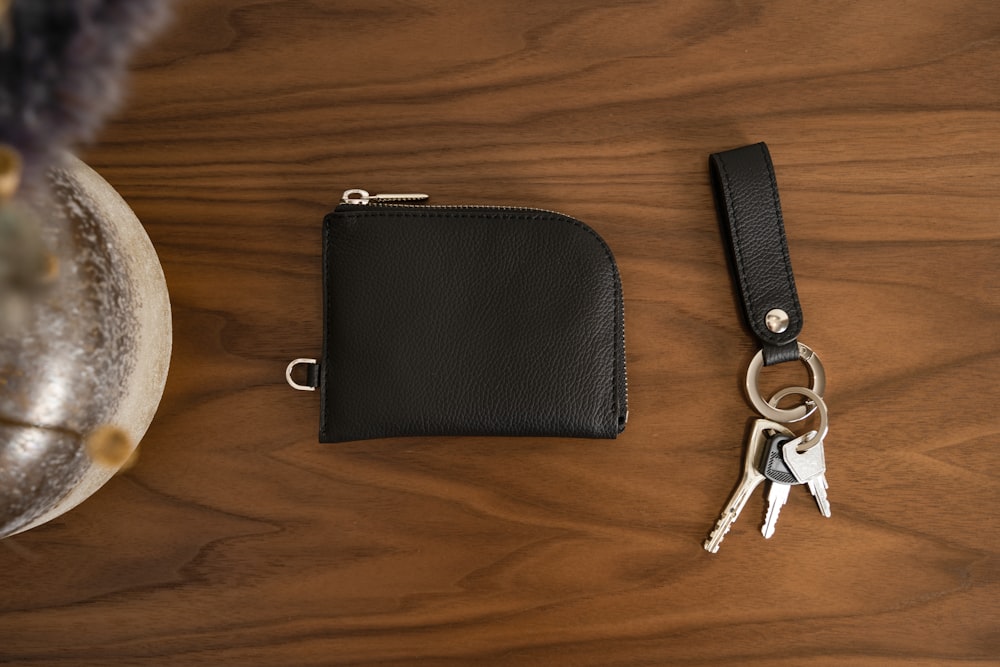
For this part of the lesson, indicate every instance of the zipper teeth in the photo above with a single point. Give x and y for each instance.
(621, 306)
(459, 206)
(621, 294)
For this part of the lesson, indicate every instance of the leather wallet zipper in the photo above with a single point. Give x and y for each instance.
(359, 197)
(363, 198)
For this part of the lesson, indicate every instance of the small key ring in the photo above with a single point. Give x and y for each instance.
(817, 381)
(812, 438)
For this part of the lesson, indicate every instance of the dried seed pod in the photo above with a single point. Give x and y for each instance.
(109, 445)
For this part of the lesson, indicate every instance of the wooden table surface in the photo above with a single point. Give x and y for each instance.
(238, 539)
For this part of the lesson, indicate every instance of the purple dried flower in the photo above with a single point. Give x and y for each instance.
(61, 64)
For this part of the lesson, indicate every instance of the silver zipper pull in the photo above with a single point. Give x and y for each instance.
(363, 198)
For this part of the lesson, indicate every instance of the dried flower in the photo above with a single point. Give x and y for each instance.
(61, 64)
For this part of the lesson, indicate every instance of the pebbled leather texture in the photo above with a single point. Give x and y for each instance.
(469, 321)
(746, 197)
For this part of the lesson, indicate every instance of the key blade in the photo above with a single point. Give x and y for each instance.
(722, 527)
(751, 478)
(818, 487)
(732, 511)
(777, 496)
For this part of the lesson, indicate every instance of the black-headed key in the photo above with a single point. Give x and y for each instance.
(781, 479)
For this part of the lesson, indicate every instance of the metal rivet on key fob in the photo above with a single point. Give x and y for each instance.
(776, 320)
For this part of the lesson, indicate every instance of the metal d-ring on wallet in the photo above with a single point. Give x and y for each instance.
(465, 320)
(746, 197)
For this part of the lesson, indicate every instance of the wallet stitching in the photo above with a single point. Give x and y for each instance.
(618, 351)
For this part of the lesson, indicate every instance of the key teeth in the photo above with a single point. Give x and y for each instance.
(824, 509)
(711, 545)
(767, 530)
(818, 487)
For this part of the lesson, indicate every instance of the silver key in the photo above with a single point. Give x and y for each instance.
(752, 478)
(809, 467)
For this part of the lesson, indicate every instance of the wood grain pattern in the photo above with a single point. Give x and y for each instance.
(237, 539)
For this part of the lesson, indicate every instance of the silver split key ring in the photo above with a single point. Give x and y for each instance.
(812, 438)
(817, 385)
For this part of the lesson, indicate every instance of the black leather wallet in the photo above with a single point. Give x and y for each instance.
(466, 320)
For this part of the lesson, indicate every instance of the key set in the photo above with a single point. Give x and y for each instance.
(774, 454)
(746, 197)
